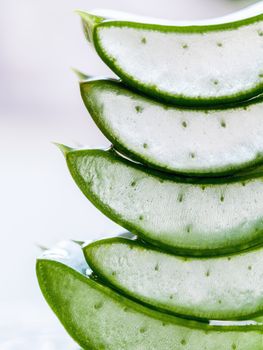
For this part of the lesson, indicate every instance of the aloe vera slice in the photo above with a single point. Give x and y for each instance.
(185, 215)
(98, 318)
(190, 65)
(218, 288)
(190, 141)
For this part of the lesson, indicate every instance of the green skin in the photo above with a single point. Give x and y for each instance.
(152, 303)
(98, 318)
(254, 232)
(92, 23)
(89, 86)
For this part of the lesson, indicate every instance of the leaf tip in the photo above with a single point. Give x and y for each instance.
(82, 76)
(89, 22)
(63, 148)
(41, 247)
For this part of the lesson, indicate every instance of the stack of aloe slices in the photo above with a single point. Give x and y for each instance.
(185, 176)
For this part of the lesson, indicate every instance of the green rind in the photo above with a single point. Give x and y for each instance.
(241, 176)
(42, 265)
(114, 284)
(136, 229)
(88, 88)
(153, 91)
(50, 273)
(199, 253)
(89, 22)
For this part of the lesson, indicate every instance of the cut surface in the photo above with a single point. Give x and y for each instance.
(185, 215)
(97, 318)
(215, 288)
(195, 65)
(176, 139)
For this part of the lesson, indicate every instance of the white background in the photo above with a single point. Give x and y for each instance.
(40, 103)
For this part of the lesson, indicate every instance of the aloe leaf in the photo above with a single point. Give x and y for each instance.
(170, 211)
(187, 65)
(98, 318)
(217, 288)
(200, 142)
